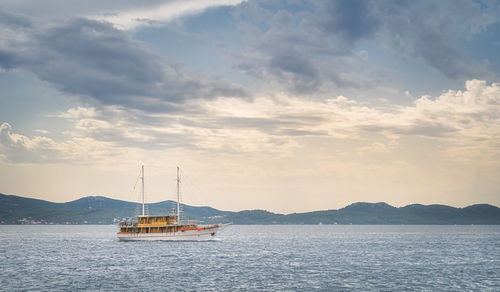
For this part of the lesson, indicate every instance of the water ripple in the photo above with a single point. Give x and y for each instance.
(264, 258)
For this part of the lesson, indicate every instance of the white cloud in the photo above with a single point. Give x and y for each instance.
(465, 124)
(16, 148)
(468, 119)
(78, 113)
(162, 13)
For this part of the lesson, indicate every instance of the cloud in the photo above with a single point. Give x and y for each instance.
(413, 127)
(14, 20)
(465, 124)
(434, 32)
(124, 14)
(456, 119)
(281, 123)
(20, 149)
(290, 51)
(352, 20)
(317, 47)
(92, 59)
(127, 127)
(161, 13)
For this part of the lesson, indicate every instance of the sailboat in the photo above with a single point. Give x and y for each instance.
(166, 227)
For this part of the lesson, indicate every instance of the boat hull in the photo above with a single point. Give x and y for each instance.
(188, 235)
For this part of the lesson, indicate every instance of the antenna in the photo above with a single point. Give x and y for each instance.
(142, 178)
(178, 197)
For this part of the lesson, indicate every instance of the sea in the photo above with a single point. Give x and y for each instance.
(254, 258)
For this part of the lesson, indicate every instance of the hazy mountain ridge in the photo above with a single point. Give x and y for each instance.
(103, 210)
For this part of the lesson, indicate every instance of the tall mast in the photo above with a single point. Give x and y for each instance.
(142, 178)
(178, 197)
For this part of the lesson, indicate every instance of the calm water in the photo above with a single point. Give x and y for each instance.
(301, 258)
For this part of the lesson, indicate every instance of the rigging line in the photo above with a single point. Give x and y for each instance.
(181, 175)
(135, 185)
(182, 188)
(132, 193)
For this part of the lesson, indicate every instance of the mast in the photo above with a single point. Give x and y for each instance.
(178, 198)
(142, 178)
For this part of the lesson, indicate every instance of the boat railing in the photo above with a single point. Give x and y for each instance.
(127, 224)
(156, 224)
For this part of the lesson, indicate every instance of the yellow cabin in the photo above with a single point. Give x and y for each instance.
(156, 220)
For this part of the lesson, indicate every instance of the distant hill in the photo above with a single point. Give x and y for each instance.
(88, 210)
(102, 210)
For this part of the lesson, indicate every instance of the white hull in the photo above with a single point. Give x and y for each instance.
(188, 235)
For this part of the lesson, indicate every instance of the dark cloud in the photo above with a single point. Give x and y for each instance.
(353, 20)
(263, 124)
(93, 59)
(426, 129)
(314, 48)
(9, 61)
(289, 50)
(12, 27)
(284, 125)
(149, 139)
(14, 20)
(433, 31)
(276, 126)
(418, 128)
(297, 72)
(294, 132)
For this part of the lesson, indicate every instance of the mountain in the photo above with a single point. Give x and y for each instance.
(102, 210)
(90, 210)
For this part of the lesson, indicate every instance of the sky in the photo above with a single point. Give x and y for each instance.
(288, 106)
